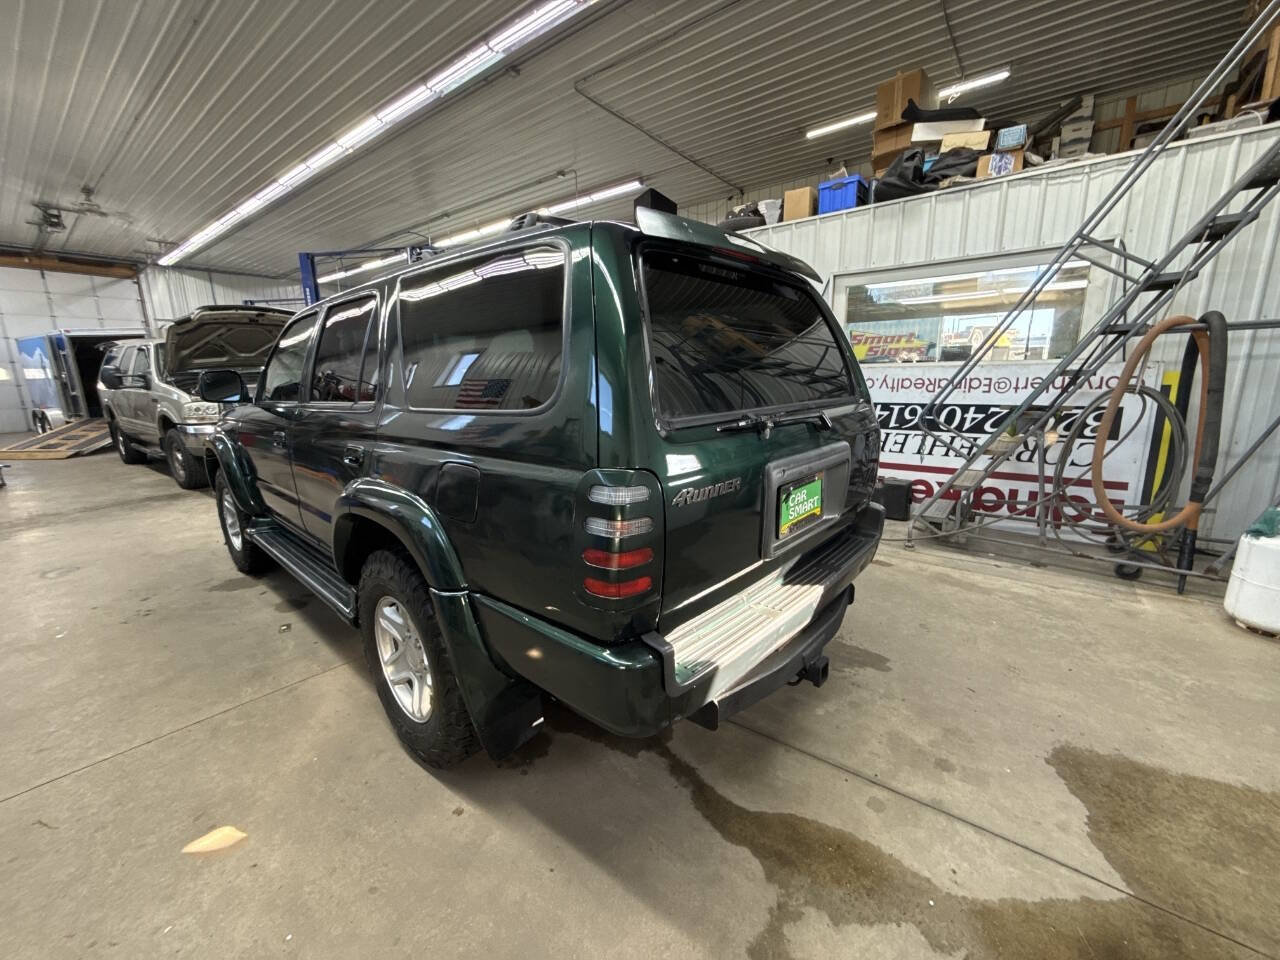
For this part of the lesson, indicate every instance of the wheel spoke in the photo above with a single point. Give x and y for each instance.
(401, 657)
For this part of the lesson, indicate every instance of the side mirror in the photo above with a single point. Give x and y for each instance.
(110, 377)
(136, 381)
(222, 386)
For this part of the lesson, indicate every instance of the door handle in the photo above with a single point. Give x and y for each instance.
(279, 439)
(353, 456)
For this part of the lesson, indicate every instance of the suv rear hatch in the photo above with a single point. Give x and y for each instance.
(767, 439)
(236, 338)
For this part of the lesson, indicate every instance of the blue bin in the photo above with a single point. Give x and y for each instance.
(842, 193)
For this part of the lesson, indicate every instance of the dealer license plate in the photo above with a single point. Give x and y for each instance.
(799, 506)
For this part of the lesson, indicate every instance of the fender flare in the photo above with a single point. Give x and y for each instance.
(505, 710)
(234, 464)
(409, 518)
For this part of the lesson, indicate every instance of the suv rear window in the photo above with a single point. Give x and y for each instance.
(484, 334)
(724, 339)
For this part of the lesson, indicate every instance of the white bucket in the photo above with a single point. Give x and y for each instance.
(1253, 592)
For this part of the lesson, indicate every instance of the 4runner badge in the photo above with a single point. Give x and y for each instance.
(697, 494)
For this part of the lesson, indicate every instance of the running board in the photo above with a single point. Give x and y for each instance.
(310, 569)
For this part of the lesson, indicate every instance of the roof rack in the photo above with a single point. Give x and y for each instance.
(533, 219)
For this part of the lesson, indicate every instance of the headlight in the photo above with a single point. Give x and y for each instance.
(200, 411)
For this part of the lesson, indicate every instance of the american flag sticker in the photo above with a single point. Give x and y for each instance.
(482, 393)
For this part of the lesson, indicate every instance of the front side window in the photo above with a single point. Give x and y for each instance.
(125, 364)
(282, 380)
(725, 339)
(347, 354)
(485, 334)
(141, 362)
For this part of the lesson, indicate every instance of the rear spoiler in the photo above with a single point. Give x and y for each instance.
(655, 223)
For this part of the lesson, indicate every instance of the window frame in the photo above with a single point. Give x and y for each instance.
(375, 328)
(258, 398)
(859, 392)
(1100, 290)
(566, 317)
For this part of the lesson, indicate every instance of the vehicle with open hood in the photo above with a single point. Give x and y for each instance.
(628, 467)
(147, 388)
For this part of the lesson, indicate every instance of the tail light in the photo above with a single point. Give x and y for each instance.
(617, 591)
(619, 554)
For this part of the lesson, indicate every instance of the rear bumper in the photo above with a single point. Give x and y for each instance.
(639, 688)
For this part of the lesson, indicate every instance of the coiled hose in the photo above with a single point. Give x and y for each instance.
(1211, 345)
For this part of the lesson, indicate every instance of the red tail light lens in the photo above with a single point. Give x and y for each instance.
(617, 561)
(617, 591)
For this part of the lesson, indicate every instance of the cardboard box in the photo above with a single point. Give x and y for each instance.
(966, 141)
(930, 132)
(892, 97)
(1074, 138)
(799, 203)
(886, 144)
(998, 164)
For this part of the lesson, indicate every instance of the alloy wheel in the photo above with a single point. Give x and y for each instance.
(403, 659)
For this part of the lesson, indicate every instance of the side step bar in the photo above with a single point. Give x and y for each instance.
(303, 562)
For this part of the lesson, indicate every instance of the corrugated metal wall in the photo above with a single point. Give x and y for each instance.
(1038, 210)
(172, 292)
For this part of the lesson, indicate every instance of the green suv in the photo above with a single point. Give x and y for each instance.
(627, 467)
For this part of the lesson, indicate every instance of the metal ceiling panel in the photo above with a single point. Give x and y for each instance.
(174, 112)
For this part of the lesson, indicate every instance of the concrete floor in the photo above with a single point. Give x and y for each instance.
(1006, 761)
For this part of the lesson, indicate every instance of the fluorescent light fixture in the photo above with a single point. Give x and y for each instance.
(563, 206)
(499, 44)
(943, 297)
(840, 125)
(964, 86)
(363, 268)
(527, 27)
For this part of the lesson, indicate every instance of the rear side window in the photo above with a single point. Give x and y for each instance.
(346, 357)
(282, 380)
(724, 340)
(485, 334)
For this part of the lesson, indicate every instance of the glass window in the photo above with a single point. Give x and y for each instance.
(485, 334)
(141, 361)
(347, 355)
(282, 380)
(945, 317)
(725, 340)
(125, 363)
(111, 356)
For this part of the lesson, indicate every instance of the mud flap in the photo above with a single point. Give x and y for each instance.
(505, 711)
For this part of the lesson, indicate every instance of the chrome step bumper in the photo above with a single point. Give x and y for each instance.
(719, 648)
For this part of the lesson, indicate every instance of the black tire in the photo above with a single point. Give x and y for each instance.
(128, 452)
(447, 736)
(187, 471)
(247, 556)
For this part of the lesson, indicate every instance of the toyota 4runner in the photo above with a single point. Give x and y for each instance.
(148, 387)
(626, 467)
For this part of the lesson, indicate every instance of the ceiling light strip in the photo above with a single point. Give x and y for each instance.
(500, 44)
(497, 226)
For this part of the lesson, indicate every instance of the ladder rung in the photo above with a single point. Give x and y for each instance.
(1267, 176)
(1122, 329)
(1220, 226)
(1167, 281)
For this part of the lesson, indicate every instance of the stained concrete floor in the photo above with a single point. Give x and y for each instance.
(1006, 762)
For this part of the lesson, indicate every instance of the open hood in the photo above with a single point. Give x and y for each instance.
(236, 337)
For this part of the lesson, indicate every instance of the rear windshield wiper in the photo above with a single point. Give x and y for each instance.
(765, 423)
